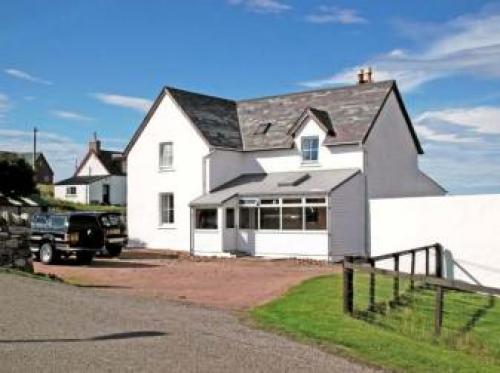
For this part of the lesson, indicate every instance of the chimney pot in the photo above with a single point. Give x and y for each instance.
(361, 76)
(369, 75)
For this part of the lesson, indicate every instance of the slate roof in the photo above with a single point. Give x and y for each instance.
(112, 160)
(215, 117)
(278, 183)
(81, 180)
(349, 111)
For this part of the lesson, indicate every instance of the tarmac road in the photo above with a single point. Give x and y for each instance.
(53, 327)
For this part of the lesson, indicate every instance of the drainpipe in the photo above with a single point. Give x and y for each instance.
(367, 221)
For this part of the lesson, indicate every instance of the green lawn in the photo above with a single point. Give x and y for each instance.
(402, 337)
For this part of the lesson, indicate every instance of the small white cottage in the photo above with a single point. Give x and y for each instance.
(99, 179)
(281, 176)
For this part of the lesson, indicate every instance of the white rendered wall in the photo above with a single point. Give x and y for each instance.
(117, 185)
(146, 181)
(93, 167)
(224, 165)
(467, 226)
(310, 245)
(347, 219)
(79, 197)
(391, 158)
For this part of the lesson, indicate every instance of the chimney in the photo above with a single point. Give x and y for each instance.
(369, 76)
(361, 76)
(95, 144)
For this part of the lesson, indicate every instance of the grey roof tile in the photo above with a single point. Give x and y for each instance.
(278, 183)
(349, 111)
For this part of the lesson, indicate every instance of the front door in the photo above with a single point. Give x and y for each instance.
(105, 194)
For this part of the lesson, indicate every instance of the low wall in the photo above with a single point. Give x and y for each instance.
(15, 251)
(468, 227)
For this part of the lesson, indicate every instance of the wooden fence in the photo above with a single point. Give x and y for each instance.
(434, 278)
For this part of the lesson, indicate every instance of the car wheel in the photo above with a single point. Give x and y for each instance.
(48, 254)
(114, 250)
(84, 257)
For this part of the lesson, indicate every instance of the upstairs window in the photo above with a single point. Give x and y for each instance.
(166, 155)
(310, 148)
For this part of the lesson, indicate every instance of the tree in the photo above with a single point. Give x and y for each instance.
(16, 177)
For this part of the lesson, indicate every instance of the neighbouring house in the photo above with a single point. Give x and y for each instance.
(99, 178)
(43, 173)
(281, 176)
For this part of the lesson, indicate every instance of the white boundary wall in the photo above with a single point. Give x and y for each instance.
(468, 227)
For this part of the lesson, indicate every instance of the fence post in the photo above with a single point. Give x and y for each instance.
(396, 278)
(438, 312)
(427, 261)
(439, 260)
(412, 282)
(372, 286)
(348, 286)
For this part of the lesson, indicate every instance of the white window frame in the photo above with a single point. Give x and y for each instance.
(161, 157)
(167, 209)
(279, 203)
(68, 188)
(309, 149)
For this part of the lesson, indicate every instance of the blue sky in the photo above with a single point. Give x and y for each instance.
(79, 66)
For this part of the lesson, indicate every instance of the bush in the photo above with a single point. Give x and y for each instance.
(17, 178)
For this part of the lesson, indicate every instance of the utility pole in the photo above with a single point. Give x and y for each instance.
(35, 130)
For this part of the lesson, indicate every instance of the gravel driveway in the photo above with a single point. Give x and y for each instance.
(232, 284)
(53, 327)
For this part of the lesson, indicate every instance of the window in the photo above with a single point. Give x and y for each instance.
(58, 222)
(315, 217)
(309, 147)
(206, 219)
(270, 218)
(71, 191)
(291, 218)
(248, 217)
(166, 208)
(166, 155)
(230, 218)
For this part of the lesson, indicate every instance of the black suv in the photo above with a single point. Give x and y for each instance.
(81, 233)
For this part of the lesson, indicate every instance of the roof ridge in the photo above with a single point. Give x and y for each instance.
(170, 88)
(392, 81)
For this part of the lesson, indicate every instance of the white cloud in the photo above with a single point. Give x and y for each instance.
(135, 103)
(481, 119)
(19, 74)
(61, 151)
(262, 6)
(431, 135)
(333, 14)
(70, 115)
(465, 45)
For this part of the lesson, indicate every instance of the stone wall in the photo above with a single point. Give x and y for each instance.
(14, 248)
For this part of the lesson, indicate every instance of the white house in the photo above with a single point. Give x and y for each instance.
(99, 179)
(281, 176)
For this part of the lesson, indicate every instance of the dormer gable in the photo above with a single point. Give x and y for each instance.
(320, 117)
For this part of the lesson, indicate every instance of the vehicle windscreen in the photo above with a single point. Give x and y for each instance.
(111, 220)
(58, 222)
(82, 221)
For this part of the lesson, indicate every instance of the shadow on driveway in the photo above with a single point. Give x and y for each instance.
(107, 337)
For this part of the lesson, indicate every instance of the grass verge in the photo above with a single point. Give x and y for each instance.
(399, 339)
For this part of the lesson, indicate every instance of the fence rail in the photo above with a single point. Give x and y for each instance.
(368, 266)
